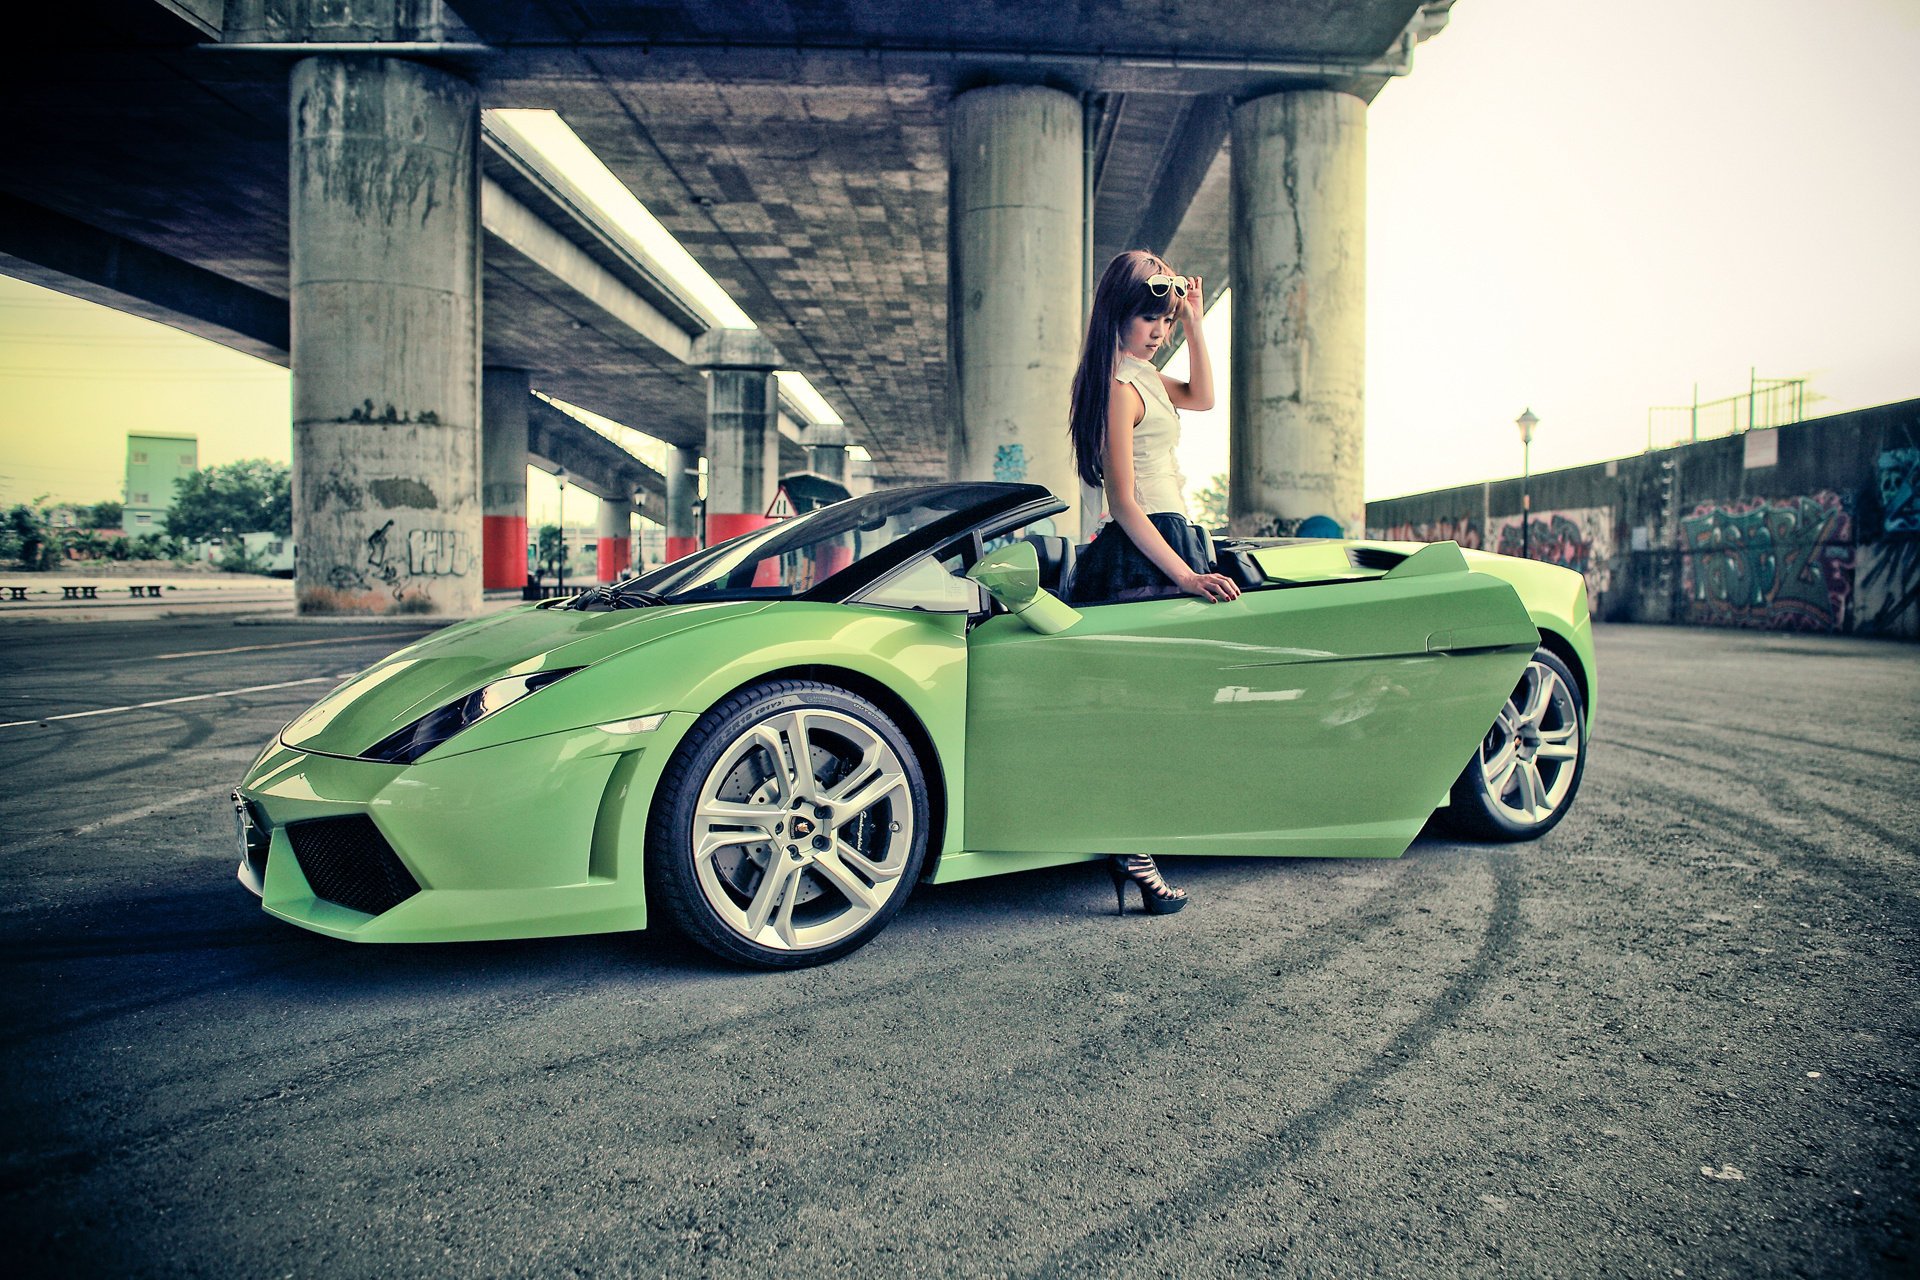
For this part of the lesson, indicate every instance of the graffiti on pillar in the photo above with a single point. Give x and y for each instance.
(1464, 530)
(1010, 463)
(1782, 564)
(379, 559)
(438, 553)
(365, 412)
(1579, 538)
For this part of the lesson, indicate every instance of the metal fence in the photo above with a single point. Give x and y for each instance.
(1767, 402)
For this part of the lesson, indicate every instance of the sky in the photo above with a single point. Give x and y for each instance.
(1585, 212)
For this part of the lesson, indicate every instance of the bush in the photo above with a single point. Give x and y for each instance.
(235, 558)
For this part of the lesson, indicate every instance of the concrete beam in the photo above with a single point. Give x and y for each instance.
(593, 462)
(1184, 165)
(281, 22)
(520, 227)
(63, 253)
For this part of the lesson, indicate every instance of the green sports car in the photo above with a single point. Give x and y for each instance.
(771, 741)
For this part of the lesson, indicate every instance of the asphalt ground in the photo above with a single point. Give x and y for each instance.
(1675, 1038)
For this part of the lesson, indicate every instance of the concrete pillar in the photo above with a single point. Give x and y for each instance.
(1015, 314)
(503, 478)
(1299, 226)
(743, 437)
(827, 450)
(614, 541)
(385, 282)
(683, 487)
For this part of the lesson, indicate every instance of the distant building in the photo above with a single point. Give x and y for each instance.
(154, 462)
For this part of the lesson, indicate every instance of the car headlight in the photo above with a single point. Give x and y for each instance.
(429, 731)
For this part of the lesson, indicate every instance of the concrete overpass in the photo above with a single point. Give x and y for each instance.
(905, 203)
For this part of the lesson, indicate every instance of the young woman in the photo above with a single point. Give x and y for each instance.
(1125, 428)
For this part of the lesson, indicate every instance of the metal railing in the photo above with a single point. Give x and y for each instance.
(1767, 402)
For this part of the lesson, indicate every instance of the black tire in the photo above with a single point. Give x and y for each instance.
(1532, 786)
(726, 818)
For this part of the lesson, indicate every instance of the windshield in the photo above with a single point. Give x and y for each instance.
(797, 555)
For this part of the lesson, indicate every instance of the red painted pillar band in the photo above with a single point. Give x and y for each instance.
(503, 550)
(678, 547)
(612, 556)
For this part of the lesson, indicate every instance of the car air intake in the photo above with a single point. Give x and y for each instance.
(348, 861)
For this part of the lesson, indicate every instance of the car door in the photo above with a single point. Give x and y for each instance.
(1320, 719)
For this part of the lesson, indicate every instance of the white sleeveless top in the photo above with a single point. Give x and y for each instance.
(1157, 482)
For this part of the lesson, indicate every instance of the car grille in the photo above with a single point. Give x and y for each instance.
(348, 861)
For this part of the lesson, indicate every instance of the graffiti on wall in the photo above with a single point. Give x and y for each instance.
(1890, 569)
(1010, 463)
(1782, 564)
(1899, 476)
(1579, 538)
(1465, 530)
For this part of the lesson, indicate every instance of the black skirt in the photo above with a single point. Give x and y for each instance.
(1113, 569)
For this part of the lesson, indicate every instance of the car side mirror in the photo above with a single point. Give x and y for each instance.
(1011, 575)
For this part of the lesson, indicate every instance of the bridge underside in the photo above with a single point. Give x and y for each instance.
(805, 162)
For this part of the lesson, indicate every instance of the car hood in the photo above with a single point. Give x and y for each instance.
(450, 664)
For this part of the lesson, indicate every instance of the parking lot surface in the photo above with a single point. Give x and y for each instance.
(1675, 1038)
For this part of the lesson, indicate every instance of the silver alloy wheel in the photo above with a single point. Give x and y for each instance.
(1530, 758)
(802, 829)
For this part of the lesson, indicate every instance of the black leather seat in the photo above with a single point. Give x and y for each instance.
(1056, 561)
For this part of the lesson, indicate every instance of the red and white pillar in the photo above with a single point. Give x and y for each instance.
(743, 435)
(683, 487)
(503, 478)
(614, 546)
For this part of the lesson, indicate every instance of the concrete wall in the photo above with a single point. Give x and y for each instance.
(1811, 527)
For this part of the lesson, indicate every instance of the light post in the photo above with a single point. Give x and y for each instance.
(560, 584)
(1526, 422)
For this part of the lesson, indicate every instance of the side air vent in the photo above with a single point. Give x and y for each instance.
(1374, 558)
(348, 861)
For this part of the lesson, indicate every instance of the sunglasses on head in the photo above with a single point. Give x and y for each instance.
(1160, 286)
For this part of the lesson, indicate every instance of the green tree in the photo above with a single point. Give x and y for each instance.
(102, 515)
(549, 551)
(251, 496)
(25, 535)
(155, 546)
(235, 558)
(85, 543)
(1210, 504)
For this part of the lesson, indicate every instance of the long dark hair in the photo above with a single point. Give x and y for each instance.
(1121, 297)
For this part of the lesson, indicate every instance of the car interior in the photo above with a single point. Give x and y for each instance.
(1230, 557)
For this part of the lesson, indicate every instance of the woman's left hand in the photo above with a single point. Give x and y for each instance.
(1192, 309)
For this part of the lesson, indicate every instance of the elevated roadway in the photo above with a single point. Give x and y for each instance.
(847, 175)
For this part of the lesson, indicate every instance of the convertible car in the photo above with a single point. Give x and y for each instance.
(770, 742)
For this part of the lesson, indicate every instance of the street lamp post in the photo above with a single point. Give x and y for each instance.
(1526, 422)
(560, 584)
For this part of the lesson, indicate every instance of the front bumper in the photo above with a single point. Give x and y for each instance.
(536, 838)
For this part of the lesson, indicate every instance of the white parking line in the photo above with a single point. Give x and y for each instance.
(257, 648)
(185, 798)
(170, 702)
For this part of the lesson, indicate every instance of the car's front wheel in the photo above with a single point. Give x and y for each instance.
(789, 827)
(1522, 780)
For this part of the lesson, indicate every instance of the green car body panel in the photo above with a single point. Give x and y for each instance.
(1327, 718)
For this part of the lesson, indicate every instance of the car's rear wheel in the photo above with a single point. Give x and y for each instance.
(789, 826)
(1523, 779)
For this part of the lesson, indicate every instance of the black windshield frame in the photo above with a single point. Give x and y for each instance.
(996, 500)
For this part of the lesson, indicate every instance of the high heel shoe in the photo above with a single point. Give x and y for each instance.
(1157, 896)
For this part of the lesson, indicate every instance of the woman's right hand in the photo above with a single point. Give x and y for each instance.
(1211, 587)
